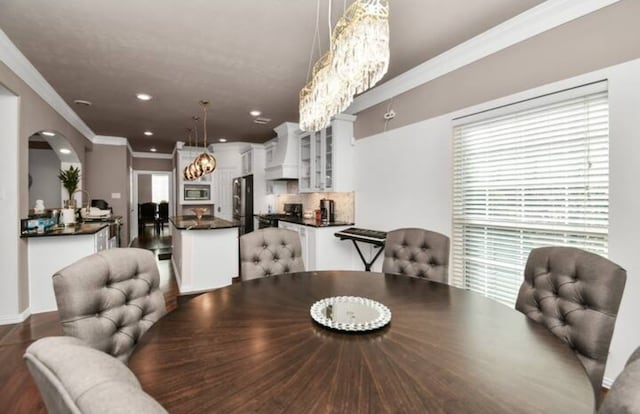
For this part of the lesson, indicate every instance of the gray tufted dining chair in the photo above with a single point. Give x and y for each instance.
(110, 299)
(74, 378)
(417, 252)
(270, 251)
(624, 395)
(576, 295)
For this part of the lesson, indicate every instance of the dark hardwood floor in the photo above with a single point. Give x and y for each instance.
(18, 392)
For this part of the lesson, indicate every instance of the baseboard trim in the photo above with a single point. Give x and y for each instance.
(19, 318)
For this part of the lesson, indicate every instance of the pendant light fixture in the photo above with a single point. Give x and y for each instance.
(205, 161)
(187, 172)
(358, 57)
(194, 168)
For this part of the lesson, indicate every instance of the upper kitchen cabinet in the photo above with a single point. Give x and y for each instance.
(194, 192)
(252, 160)
(326, 157)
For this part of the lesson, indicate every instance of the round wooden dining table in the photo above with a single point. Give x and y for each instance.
(253, 348)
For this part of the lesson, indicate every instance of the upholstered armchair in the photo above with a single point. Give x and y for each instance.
(268, 252)
(576, 295)
(110, 299)
(417, 252)
(624, 395)
(74, 378)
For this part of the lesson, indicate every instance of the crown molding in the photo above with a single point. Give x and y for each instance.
(11, 56)
(539, 19)
(153, 155)
(107, 140)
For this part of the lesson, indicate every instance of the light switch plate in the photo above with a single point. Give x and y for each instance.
(115, 196)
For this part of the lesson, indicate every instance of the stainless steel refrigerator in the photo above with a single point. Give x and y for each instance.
(243, 203)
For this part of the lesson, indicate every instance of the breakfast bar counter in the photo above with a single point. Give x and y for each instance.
(204, 252)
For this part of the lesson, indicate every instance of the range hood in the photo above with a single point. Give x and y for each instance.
(283, 164)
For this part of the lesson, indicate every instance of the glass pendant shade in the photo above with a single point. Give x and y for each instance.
(187, 174)
(195, 170)
(206, 162)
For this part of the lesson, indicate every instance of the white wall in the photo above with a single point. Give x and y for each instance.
(44, 165)
(9, 289)
(403, 178)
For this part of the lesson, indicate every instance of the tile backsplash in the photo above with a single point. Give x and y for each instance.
(344, 202)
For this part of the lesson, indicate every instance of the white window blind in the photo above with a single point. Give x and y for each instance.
(525, 179)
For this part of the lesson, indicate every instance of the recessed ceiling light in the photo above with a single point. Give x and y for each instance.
(255, 113)
(82, 102)
(153, 149)
(222, 140)
(148, 133)
(49, 134)
(65, 151)
(144, 96)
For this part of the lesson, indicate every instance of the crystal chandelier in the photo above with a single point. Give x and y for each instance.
(357, 59)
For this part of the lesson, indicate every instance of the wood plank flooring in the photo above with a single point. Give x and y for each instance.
(18, 392)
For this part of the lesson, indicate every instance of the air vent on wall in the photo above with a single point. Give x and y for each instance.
(261, 121)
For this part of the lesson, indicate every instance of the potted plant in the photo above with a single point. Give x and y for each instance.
(70, 179)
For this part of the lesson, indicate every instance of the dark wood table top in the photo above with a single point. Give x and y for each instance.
(252, 347)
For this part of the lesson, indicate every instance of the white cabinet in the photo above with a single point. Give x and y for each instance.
(270, 148)
(304, 241)
(326, 157)
(49, 254)
(247, 162)
(321, 250)
(185, 156)
(101, 241)
(223, 186)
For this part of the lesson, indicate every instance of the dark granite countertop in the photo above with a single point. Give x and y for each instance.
(74, 230)
(314, 223)
(205, 223)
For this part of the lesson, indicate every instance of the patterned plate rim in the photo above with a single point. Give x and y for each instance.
(383, 318)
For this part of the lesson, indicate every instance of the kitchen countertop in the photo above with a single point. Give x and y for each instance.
(205, 223)
(308, 222)
(74, 230)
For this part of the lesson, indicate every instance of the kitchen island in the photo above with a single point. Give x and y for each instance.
(56, 249)
(204, 252)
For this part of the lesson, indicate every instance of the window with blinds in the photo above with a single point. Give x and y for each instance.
(531, 175)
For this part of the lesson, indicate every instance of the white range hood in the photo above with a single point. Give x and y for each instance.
(283, 164)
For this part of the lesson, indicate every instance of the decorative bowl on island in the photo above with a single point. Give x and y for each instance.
(199, 211)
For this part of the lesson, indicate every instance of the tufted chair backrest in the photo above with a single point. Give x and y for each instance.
(418, 253)
(110, 299)
(270, 251)
(624, 395)
(74, 378)
(576, 295)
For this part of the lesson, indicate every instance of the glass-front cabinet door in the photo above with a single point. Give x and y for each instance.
(317, 162)
(305, 163)
(328, 160)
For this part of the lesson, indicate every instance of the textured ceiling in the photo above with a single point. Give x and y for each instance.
(239, 54)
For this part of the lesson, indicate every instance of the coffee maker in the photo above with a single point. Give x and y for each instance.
(327, 210)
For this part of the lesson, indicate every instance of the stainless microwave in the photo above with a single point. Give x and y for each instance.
(195, 192)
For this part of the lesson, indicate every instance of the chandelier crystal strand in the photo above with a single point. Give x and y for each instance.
(357, 59)
(361, 44)
(205, 161)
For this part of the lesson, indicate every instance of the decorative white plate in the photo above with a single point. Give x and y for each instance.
(350, 313)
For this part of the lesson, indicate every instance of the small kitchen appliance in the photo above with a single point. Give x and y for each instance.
(327, 209)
